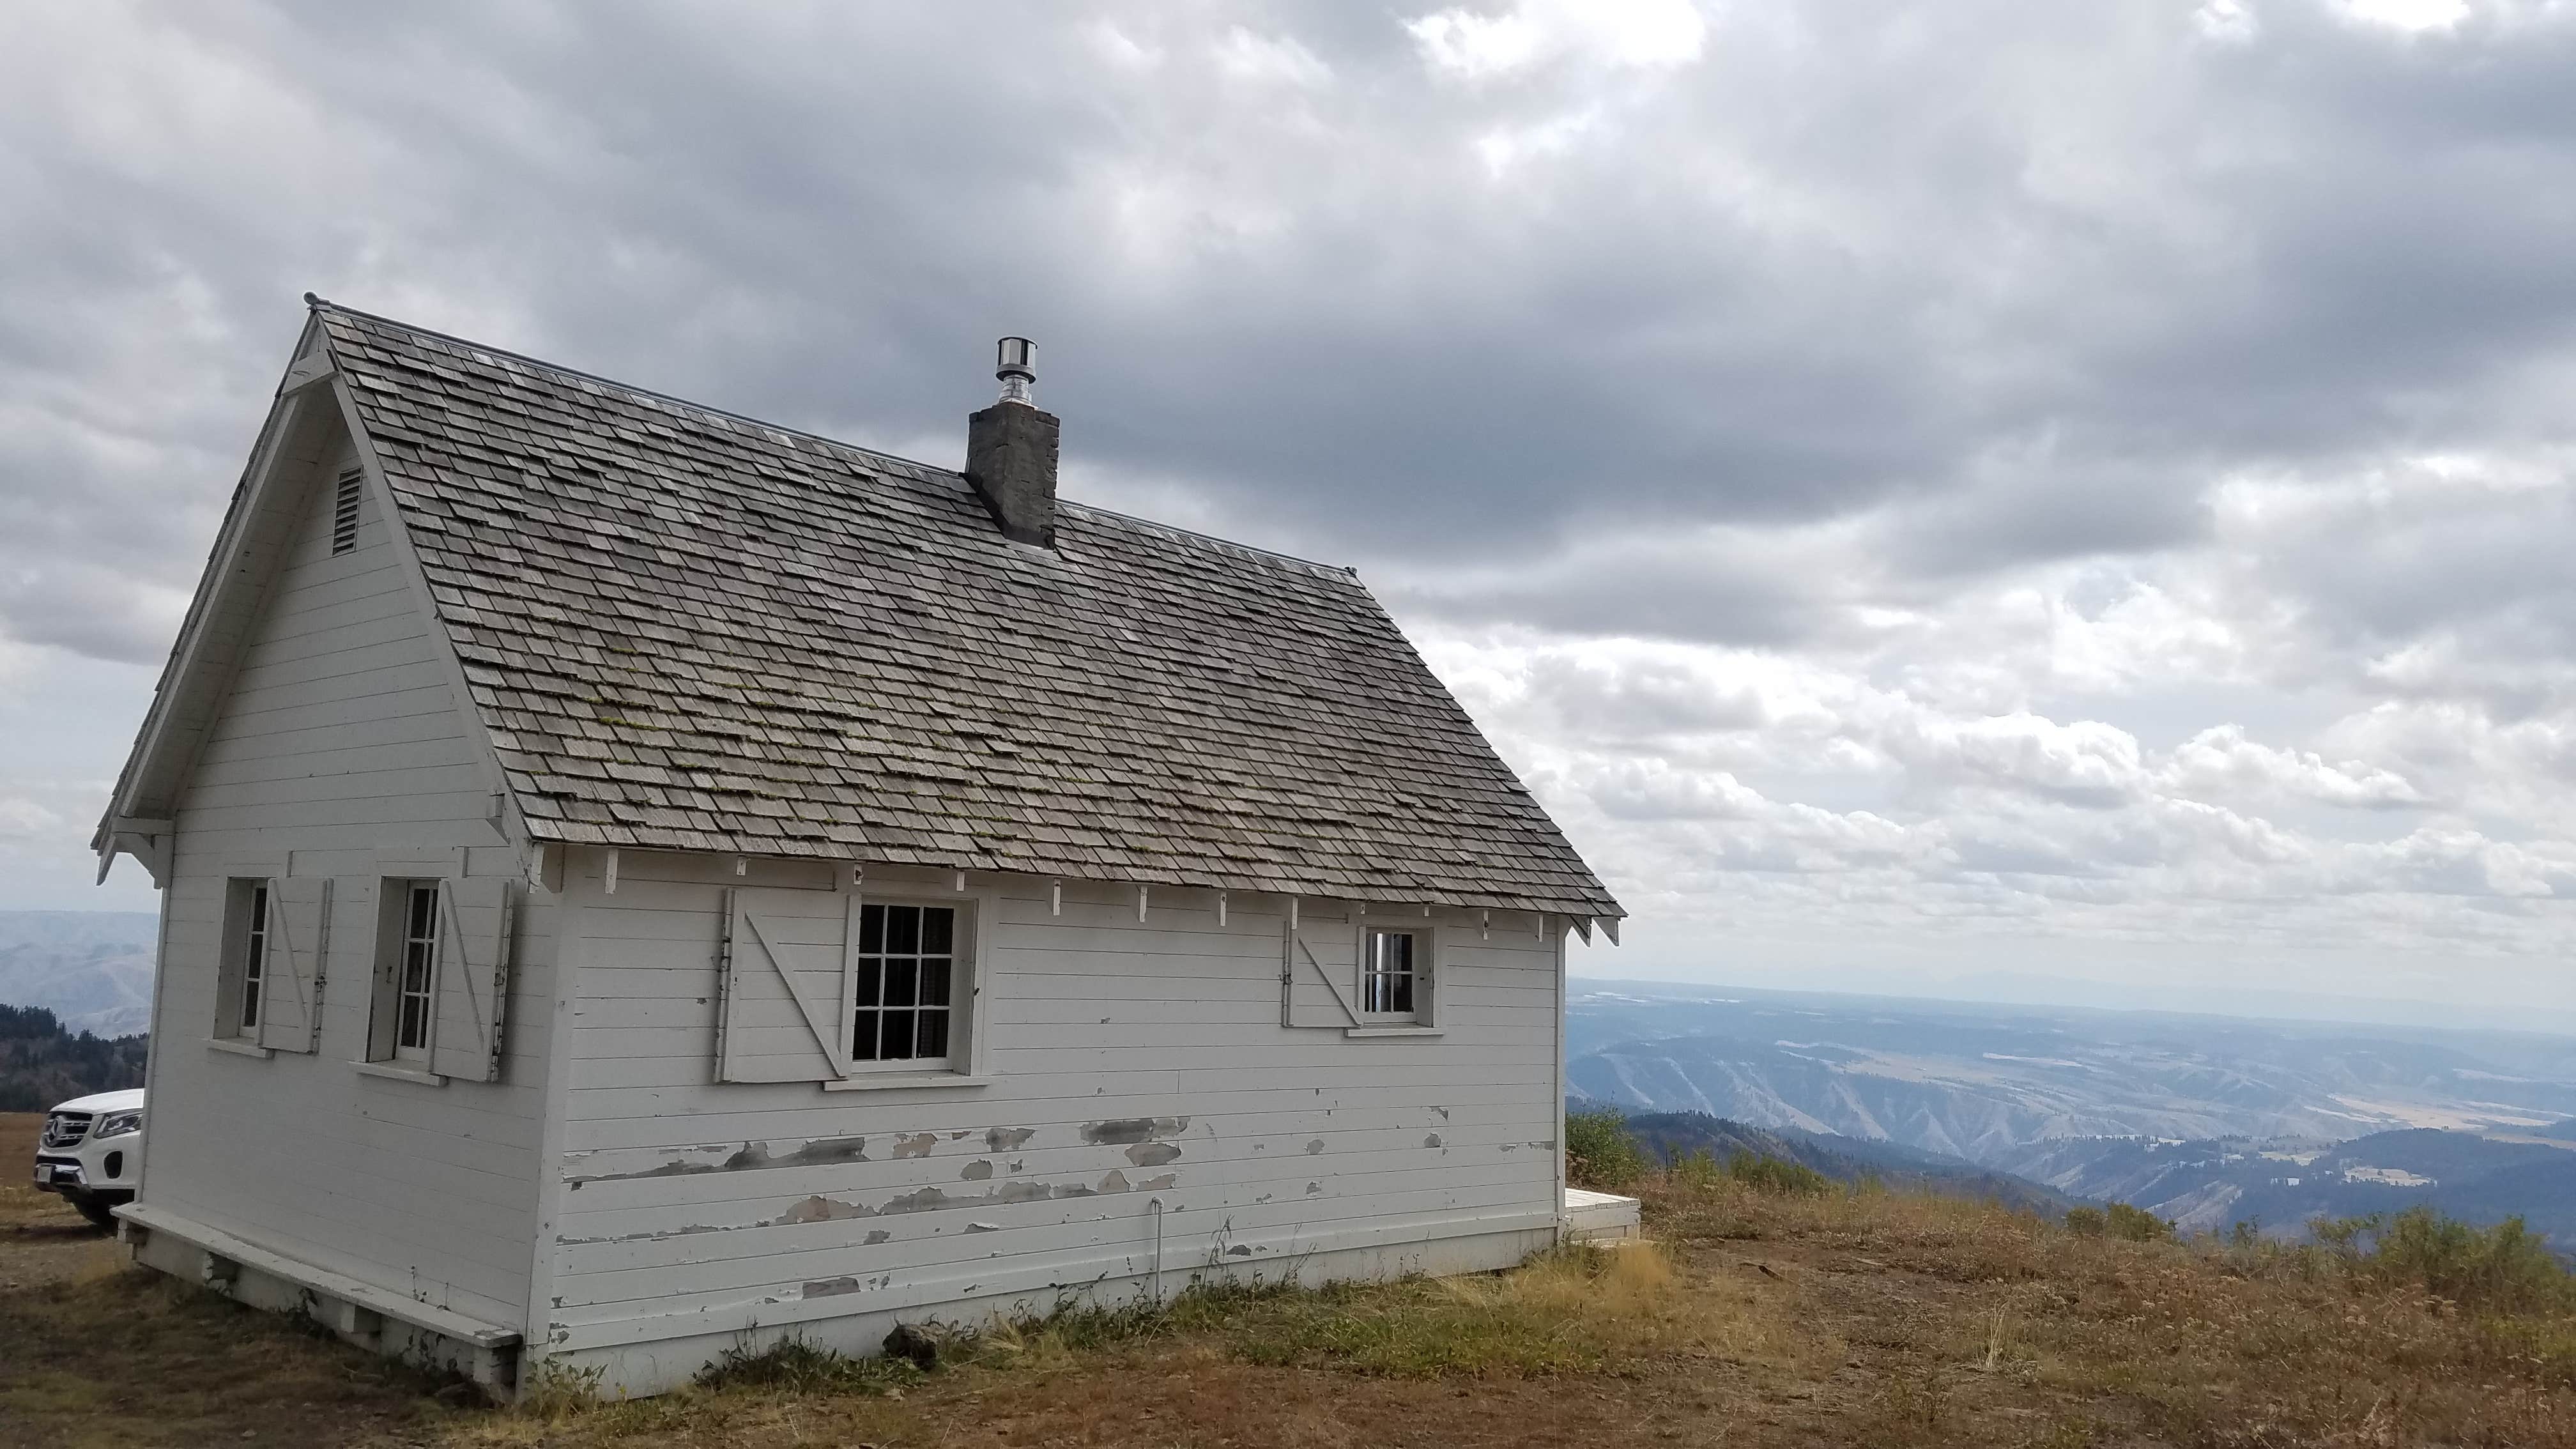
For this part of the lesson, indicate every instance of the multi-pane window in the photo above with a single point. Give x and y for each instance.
(1387, 968)
(416, 979)
(254, 957)
(900, 1001)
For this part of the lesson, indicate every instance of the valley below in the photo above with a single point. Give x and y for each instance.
(2210, 1121)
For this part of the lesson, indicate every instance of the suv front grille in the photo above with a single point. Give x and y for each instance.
(66, 1129)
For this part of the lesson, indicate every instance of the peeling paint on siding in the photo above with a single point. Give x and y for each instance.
(916, 1145)
(1005, 1139)
(750, 1157)
(1133, 1129)
(977, 1170)
(1314, 1146)
(1164, 1183)
(827, 1287)
(1153, 1154)
(1116, 1181)
(1431, 1141)
(819, 1210)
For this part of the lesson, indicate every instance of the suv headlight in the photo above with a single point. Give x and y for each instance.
(117, 1124)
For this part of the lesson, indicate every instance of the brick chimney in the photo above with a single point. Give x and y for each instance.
(1011, 449)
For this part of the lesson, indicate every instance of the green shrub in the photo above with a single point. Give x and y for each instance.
(1697, 1169)
(1599, 1153)
(1773, 1174)
(2502, 1267)
(2136, 1225)
(2121, 1221)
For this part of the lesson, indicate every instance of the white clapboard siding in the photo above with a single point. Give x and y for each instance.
(341, 741)
(1129, 1072)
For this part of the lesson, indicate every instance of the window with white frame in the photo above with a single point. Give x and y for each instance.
(1394, 965)
(406, 996)
(242, 976)
(902, 993)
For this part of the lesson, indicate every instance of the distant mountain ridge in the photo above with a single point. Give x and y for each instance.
(2206, 1120)
(2280, 1185)
(92, 969)
(1667, 1136)
(1981, 1082)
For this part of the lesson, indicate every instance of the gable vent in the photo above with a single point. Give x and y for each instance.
(344, 514)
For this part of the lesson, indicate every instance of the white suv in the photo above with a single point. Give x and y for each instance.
(91, 1152)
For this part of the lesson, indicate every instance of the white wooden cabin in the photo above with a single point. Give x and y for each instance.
(637, 881)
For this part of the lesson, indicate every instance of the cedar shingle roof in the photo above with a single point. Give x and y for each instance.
(686, 630)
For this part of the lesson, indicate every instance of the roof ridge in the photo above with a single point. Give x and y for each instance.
(319, 304)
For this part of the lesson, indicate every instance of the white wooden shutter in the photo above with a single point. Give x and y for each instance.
(290, 990)
(780, 971)
(1313, 969)
(473, 978)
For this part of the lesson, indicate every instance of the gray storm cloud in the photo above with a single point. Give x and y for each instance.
(2009, 471)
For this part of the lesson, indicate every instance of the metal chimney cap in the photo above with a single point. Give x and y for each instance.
(1017, 368)
(1016, 357)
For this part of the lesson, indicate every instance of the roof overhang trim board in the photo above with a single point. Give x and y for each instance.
(547, 858)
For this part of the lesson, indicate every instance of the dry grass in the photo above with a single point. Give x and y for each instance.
(1764, 1318)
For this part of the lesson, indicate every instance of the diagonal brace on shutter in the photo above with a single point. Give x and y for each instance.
(824, 1036)
(1294, 946)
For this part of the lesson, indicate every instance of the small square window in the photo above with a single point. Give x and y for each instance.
(1394, 966)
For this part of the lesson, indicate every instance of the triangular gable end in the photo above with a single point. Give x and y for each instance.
(308, 423)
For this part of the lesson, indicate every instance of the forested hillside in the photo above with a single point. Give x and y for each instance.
(41, 1064)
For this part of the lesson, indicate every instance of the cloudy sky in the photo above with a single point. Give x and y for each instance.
(1930, 495)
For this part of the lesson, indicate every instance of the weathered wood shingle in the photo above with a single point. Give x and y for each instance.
(686, 630)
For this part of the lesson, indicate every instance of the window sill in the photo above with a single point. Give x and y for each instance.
(897, 1081)
(238, 1048)
(1391, 1029)
(395, 1072)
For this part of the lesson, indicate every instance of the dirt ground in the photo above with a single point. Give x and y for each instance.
(1760, 1320)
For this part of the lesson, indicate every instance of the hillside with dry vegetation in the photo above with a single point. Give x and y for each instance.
(1772, 1309)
